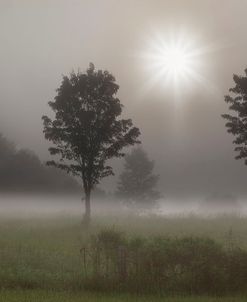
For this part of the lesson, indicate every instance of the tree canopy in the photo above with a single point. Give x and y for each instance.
(87, 129)
(137, 182)
(237, 122)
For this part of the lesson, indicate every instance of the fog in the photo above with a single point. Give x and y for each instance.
(34, 206)
(185, 135)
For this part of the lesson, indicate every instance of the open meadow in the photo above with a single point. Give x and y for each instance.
(42, 259)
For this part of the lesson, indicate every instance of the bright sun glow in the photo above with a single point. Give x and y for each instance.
(173, 59)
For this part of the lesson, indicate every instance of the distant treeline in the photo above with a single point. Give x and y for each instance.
(22, 171)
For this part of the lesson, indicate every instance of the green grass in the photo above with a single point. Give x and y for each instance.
(42, 255)
(52, 296)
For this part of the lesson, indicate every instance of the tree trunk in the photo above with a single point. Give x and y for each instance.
(87, 215)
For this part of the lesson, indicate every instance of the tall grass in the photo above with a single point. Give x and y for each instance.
(44, 253)
(189, 265)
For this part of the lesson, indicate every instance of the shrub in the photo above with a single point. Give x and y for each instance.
(187, 265)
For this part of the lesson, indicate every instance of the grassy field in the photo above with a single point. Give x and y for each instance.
(40, 296)
(40, 257)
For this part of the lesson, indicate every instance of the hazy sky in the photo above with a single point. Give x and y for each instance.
(181, 128)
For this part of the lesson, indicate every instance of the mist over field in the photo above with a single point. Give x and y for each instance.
(29, 206)
(123, 151)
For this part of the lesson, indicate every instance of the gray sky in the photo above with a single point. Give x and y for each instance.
(185, 135)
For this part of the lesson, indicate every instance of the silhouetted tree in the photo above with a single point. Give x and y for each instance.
(87, 130)
(137, 182)
(237, 122)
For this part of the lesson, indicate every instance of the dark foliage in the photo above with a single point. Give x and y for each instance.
(237, 122)
(22, 171)
(137, 182)
(87, 130)
(187, 265)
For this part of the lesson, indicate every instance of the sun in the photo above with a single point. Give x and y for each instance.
(175, 61)
(172, 59)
